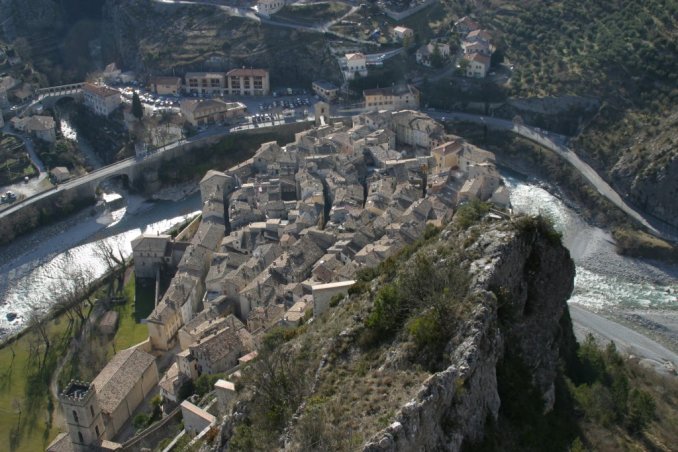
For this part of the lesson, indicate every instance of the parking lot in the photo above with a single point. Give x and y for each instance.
(283, 103)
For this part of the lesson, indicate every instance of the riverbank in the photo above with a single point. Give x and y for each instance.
(33, 262)
(634, 294)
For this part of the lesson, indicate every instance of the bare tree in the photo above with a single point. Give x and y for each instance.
(110, 251)
(39, 327)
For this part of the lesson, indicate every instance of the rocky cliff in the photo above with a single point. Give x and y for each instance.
(648, 168)
(353, 390)
(521, 284)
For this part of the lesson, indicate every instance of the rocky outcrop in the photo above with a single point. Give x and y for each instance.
(648, 170)
(521, 282)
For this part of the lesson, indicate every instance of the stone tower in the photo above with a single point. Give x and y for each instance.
(322, 113)
(83, 415)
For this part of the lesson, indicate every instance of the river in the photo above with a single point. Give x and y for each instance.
(32, 264)
(605, 281)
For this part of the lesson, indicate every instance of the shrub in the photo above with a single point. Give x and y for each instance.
(186, 390)
(539, 224)
(141, 421)
(425, 331)
(388, 312)
(205, 383)
(470, 213)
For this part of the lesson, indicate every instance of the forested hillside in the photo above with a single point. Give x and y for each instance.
(623, 53)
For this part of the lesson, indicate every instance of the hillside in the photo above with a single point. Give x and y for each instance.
(163, 38)
(461, 342)
(621, 53)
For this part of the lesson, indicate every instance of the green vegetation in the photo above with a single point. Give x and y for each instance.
(137, 108)
(603, 402)
(108, 138)
(622, 54)
(63, 152)
(617, 47)
(205, 383)
(143, 420)
(641, 244)
(471, 212)
(603, 391)
(144, 298)
(130, 329)
(26, 420)
(539, 225)
(15, 164)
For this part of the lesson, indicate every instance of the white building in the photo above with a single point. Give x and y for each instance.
(401, 33)
(101, 99)
(477, 65)
(354, 63)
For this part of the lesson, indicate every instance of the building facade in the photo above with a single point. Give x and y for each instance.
(166, 86)
(248, 82)
(325, 90)
(477, 65)
(211, 111)
(392, 98)
(355, 65)
(205, 83)
(268, 7)
(100, 99)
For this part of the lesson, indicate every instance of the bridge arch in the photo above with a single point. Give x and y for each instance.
(118, 180)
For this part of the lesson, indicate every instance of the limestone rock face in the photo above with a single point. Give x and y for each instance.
(521, 282)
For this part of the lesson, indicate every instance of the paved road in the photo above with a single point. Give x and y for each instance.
(624, 338)
(247, 13)
(28, 142)
(556, 143)
(115, 168)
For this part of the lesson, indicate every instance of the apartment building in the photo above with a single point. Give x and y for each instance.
(100, 99)
(205, 83)
(392, 98)
(248, 82)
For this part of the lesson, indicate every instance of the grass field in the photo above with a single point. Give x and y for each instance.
(25, 403)
(25, 422)
(130, 330)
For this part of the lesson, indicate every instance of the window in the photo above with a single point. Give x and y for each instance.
(91, 410)
(96, 429)
(75, 416)
(80, 437)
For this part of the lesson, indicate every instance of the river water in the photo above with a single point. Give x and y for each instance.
(30, 267)
(604, 280)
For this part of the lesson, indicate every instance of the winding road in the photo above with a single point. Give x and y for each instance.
(556, 143)
(247, 13)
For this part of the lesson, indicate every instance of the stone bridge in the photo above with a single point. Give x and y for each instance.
(135, 171)
(52, 94)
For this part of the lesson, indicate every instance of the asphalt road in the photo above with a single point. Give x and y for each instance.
(624, 338)
(118, 166)
(556, 143)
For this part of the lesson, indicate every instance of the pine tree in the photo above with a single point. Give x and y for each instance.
(137, 108)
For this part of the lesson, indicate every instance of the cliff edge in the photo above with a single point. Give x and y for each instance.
(418, 354)
(522, 281)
